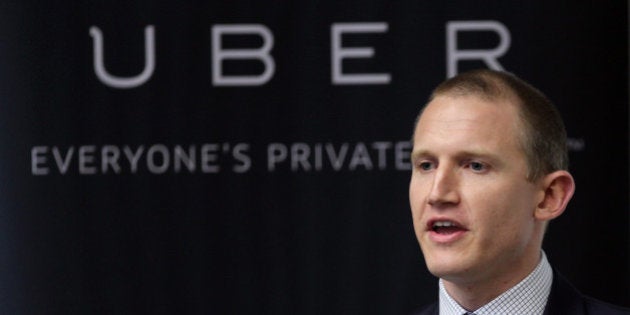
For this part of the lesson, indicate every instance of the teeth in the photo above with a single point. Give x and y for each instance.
(443, 224)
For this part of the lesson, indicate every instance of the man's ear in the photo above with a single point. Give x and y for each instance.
(558, 188)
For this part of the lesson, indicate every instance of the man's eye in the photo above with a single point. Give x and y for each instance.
(477, 166)
(426, 166)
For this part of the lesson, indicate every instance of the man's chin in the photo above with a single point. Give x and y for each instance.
(447, 269)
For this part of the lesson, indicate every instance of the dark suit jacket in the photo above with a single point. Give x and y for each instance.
(564, 299)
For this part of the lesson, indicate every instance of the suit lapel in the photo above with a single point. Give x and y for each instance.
(431, 309)
(564, 298)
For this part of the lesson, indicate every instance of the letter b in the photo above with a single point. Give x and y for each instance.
(219, 54)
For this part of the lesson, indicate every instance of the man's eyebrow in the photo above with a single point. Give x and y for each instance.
(476, 153)
(416, 154)
(472, 153)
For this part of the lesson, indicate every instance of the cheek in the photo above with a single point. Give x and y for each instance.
(413, 202)
(508, 214)
(417, 193)
(417, 198)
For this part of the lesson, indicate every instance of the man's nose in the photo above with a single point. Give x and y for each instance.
(444, 190)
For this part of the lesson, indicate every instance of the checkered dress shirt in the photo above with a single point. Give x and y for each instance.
(527, 297)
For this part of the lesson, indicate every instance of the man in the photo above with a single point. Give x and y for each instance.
(489, 172)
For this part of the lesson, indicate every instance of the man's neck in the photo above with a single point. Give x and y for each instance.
(472, 295)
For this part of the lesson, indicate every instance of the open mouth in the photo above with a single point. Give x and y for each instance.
(445, 227)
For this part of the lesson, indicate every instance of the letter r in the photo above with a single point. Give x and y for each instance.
(489, 56)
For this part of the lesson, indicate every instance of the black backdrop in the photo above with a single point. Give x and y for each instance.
(185, 195)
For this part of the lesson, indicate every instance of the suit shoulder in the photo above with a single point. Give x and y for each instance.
(566, 299)
(431, 309)
(594, 306)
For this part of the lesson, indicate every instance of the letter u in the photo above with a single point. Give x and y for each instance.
(124, 82)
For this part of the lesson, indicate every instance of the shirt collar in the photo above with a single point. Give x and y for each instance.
(527, 297)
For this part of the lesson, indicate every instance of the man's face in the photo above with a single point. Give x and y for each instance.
(471, 202)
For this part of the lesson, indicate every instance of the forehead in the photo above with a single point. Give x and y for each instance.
(469, 121)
